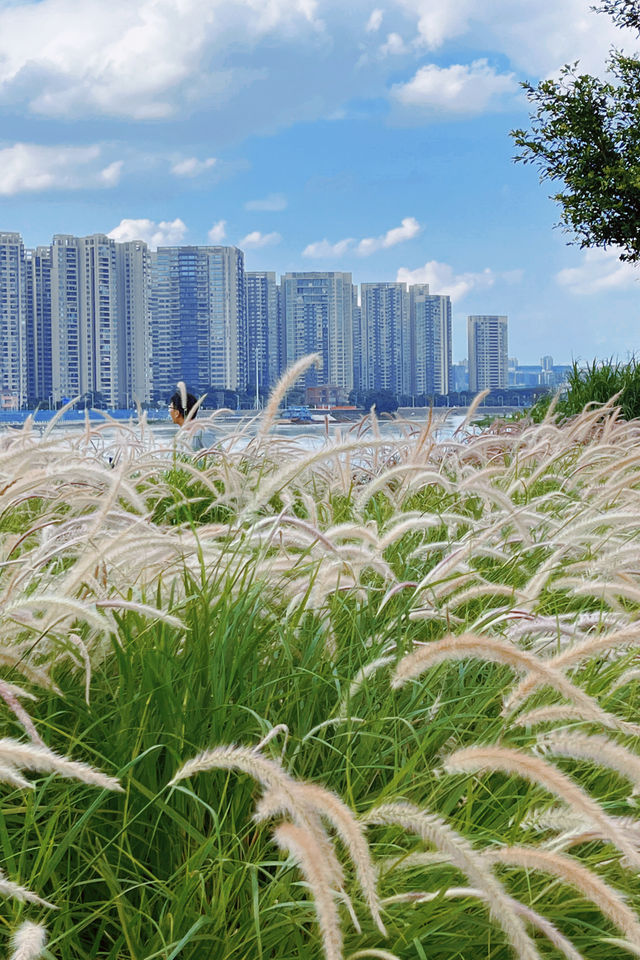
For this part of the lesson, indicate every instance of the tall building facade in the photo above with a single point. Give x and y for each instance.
(38, 285)
(13, 322)
(263, 334)
(385, 339)
(317, 317)
(99, 319)
(66, 356)
(133, 262)
(488, 352)
(430, 318)
(198, 319)
(102, 333)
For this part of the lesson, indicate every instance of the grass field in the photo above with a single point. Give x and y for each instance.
(378, 700)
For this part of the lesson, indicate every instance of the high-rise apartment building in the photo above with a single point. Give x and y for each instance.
(133, 262)
(385, 340)
(66, 360)
(13, 322)
(488, 352)
(99, 320)
(102, 333)
(317, 317)
(263, 346)
(198, 319)
(430, 316)
(38, 286)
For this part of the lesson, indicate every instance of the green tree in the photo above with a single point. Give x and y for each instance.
(585, 135)
(383, 400)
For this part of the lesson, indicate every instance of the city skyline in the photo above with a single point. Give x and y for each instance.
(92, 317)
(388, 157)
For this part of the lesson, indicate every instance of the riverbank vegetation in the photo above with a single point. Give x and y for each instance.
(377, 699)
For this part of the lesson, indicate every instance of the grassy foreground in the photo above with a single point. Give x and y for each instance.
(407, 669)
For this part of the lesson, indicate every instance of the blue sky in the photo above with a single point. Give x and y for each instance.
(319, 135)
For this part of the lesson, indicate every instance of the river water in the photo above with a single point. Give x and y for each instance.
(112, 440)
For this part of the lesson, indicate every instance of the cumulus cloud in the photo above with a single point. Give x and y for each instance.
(274, 203)
(600, 271)
(408, 229)
(166, 233)
(444, 281)
(374, 22)
(132, 59)
(323, 249)
(30, 167)
(191, 166)
(255, 239)
(217, 233)
(393, 46)
(537, 38)
(460, 88)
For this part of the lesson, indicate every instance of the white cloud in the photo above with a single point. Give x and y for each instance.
(166, 233)
(393, 46)
(601, 271)
(324, 250)
(217, 233)
(191, 166)
(460, 88)
(408, 229)
(271, 204)
(30, 167)
(538, 38)
(443, 281)
(133, 59)
(110, 176)
(255, 239)
(374, 22)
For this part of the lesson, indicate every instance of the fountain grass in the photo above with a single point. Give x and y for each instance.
(266, 597)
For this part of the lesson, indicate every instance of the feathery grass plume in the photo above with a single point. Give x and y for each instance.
(548, 929)
(298, 843)
(329, 806)
(32, 757)
(285, 383)
(598, 749)
(493, 758)
(622, 945)
(583, 650)
(28, 941)
(607, 900)
(497, 651)
(10, 693)
(10, 889)
(373, 952)
(471, 412)
(436, 832)
(274, 803)
(10, 775)
(363, 674)
(629, 676)
(549, 714)
(302, 800)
